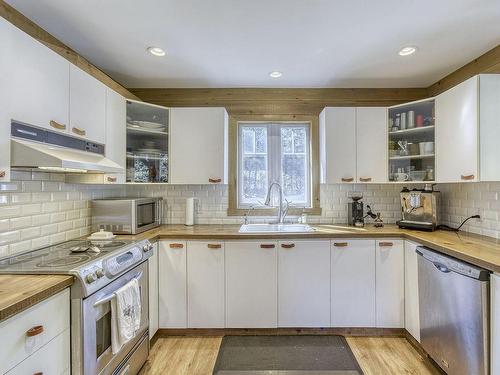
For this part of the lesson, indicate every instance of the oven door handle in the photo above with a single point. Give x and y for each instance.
(110, 296)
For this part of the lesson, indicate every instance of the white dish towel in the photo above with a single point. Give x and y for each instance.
(125, 314)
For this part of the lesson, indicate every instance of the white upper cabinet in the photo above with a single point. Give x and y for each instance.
(304, 284)
(38, 82)
(198, 145)
(6, 43)
(489, 115)
(390, 283)
(371, 144)
(338, 144)
(116, 134)
(457, 133)
(353, 283)
(251, 284)
(87, 108)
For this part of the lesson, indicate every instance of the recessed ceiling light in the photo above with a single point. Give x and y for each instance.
(407, 51)
(157, 51)
(275, 74)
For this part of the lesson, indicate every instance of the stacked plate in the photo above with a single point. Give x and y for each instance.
(146, 125)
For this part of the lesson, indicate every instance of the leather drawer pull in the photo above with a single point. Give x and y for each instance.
(2, 173)
(365, 179)
(214, 246)
(267, 246)
(34, 331)
(177, 246)
(340, 244)
(78, 131)
(38, 373)
(111, 179)
(287, 245)
(467, 177)
(385, 244)
(214, 180)
(350, 179)
(56, 125)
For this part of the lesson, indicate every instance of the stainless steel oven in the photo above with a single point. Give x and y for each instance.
(126, 215)
(91, 340)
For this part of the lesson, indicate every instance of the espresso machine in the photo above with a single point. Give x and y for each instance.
(419, 208)
(355, 212)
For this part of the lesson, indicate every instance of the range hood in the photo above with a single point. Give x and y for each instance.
(32, 147)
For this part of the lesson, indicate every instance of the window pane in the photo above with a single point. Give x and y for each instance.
(254, 179)
(248, 140)
(299, 140)
(294, 177)
(287, 139)
(261, 140)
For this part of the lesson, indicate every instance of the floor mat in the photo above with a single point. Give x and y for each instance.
(286, 355)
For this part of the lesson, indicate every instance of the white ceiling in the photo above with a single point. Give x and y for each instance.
(236, 43)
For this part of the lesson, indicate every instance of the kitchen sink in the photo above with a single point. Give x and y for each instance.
(276, 228)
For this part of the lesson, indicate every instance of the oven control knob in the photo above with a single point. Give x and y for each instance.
(145, 248)
(151, 247)
(90, 278)
(99, 273)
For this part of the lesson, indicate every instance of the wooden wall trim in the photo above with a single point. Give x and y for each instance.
(36, 32)
(283, 101)
(486, 63)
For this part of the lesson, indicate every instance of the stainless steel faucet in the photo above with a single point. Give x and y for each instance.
(281, 211)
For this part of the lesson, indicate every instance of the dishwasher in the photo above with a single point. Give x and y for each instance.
(454, 313)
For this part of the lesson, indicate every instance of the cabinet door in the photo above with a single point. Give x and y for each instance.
(489, 115)
(412, 316)
(390, 283)
(495, 324)
(251, 284)
(304, 284)
(371, 144)
(116, 134)
(39, 82)
(87, 107)
(457, 133)
(172, 302)
(153, 291)
(353, 283)
(5, 65)
(338, 144)
(198, 145)
(205, 273)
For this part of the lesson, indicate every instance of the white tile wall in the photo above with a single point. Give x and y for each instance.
(39, 209)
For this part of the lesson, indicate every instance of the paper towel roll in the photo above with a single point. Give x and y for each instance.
(189, 211)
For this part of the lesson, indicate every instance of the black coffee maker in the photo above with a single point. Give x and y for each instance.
(355, 212)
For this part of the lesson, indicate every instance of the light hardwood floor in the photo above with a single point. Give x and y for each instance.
(197, 355)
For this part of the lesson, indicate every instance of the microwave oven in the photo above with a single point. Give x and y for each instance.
(126, 215)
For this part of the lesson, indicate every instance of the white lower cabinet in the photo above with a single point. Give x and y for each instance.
(153, 291)
(353, 283)
(304, 283)
(495, 324)
(390, 289)
(251, 284)
(412, 316)
(172, 268)
(37, 338)
(205, 284)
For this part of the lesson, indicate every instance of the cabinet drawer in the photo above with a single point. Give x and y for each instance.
(51, 314)
(53, 358)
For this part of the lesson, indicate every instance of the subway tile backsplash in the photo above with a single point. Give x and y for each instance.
(39, 209)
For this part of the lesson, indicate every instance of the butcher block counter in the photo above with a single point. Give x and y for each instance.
(19, 292)
(479, 250)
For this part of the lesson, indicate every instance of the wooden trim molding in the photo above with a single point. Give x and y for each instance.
(29, 27)
(233, 209)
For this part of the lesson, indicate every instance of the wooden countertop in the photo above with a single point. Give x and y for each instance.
(479, 250)
(19, 292)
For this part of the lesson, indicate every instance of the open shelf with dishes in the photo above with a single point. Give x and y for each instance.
(411, 132)
(147, 143)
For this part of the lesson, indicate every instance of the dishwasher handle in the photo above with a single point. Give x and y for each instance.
(441, 267)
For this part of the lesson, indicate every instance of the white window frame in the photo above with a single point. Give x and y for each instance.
(274, 159)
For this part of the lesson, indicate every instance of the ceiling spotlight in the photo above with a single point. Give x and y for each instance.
(275, 74)
(407, 51)
(157, 51)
